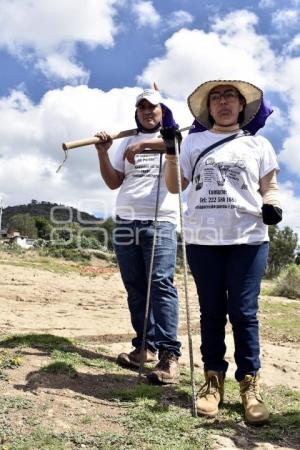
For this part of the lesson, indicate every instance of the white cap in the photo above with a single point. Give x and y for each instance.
(151, 95)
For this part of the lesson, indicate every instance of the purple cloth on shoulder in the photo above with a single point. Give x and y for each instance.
(168, 119)
(258, 122)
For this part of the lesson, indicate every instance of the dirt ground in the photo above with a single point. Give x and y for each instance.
(91, 307)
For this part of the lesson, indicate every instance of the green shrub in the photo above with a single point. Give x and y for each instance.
(73, 254)
(14, 248)
(70, 254)
(288, 283)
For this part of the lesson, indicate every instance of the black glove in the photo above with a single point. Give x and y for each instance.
(169, 134)
(271, 214)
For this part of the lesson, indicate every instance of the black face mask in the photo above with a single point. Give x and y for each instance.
(143, 129)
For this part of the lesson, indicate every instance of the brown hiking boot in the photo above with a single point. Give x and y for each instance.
(133, 359)
(166, 370)
(211, 394)
(255, 411)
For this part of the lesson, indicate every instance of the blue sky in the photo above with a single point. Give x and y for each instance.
(70, 68)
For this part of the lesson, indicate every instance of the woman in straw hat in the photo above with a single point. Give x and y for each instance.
(233, 197)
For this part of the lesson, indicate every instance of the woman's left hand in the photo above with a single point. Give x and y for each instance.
(133, 150)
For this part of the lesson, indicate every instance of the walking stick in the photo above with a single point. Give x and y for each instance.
(142, 361)
(187, 304)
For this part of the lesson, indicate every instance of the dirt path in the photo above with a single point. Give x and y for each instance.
(94, 310)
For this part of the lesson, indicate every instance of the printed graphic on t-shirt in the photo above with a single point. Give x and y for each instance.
(146, 166)
(211, 180)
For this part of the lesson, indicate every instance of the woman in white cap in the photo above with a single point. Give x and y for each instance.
(137, 174)
(233, 197)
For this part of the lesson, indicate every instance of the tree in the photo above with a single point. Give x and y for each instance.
(283, 244)
(104, 234)
(23, 223)
(43, 226)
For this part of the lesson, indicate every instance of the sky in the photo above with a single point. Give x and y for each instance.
(70, 68)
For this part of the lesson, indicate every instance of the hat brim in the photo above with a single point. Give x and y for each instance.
(152, 96)
(153, 102)
(197, 100)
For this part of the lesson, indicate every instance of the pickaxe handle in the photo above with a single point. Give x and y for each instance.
(95, 140)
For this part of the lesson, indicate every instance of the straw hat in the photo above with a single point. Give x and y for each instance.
(198, 100)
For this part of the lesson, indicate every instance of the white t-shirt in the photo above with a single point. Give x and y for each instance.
(224, 202)
(136, 199)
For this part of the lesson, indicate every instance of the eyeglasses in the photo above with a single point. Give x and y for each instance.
(229, 96)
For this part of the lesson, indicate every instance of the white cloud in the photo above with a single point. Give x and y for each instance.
(231, 50)
(60, 66)
(290, 206)
(146, 14)
(277, 120)
(293, 45)
(47, 31)
(266, 3)
(179, 18)
(290, 155)
(283, 19)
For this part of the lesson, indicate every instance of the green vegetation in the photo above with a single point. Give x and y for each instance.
(76, 359)
(283, 245)
(288, 283)
(39, 439)
(60, 367)
(44, 341)
(150, 418)
(65, 353)
(9, 360)
(38, 259)
(23, 223)
(279, 321)
(60, 213)
(61, 231)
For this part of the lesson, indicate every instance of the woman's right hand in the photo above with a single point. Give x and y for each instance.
(105, 142)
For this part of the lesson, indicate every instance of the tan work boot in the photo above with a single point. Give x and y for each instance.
(211, 394)
(255, 411)
(133, 359)
(166, 370)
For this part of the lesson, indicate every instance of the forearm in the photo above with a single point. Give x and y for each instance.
(154, 144)
(269, 189)
(171, 175)
(112, 178)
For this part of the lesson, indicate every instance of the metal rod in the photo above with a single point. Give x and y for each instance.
(142, 361)
(185, 275)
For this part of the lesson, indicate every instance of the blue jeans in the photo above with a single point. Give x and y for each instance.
(228, 282)
(133, 246)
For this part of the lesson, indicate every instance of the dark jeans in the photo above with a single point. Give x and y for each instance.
(228, 282)
(133, 245)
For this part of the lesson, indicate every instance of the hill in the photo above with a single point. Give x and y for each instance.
(51, 211)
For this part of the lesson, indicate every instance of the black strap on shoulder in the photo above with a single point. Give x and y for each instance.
(216, 144)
